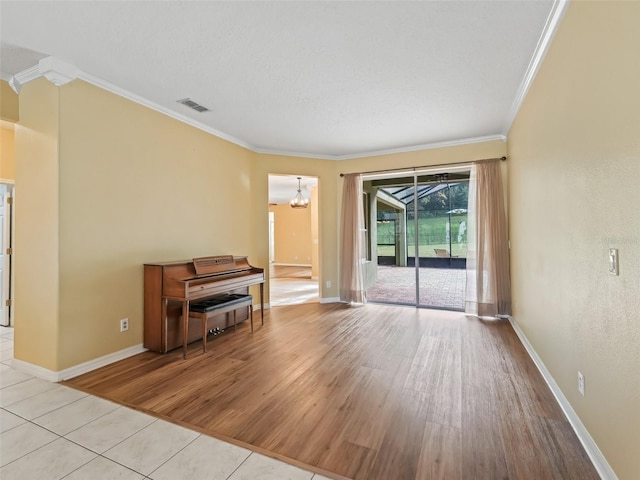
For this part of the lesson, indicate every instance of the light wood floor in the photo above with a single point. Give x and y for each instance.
(371, 392)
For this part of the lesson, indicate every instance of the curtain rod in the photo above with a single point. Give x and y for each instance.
(390, 170)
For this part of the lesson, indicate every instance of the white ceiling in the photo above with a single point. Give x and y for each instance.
(327, 79)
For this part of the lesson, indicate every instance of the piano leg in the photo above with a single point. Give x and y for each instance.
(185, 327)
(164, 327)
(204, 332)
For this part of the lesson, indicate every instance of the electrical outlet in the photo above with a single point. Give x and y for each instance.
(328, 283)
(124, 324)
(581, 383)
(613, 261)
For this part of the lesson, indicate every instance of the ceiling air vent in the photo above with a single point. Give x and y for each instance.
(191, 104)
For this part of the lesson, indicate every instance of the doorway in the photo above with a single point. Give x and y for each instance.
(420, 239)
(293, 240)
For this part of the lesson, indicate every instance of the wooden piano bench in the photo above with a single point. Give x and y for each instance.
(217, 305)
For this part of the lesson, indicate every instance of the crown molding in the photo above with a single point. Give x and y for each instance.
(426, 146)
(289, 153)
(553, 20)
(56, 71)
(60, 73)
(391, 151)
(19, 79)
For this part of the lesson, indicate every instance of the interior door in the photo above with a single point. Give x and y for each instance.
(6, 206)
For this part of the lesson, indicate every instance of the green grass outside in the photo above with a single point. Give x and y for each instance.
(431, 235)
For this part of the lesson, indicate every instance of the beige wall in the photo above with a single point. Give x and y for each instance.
(37, 272)
(8, 103)
(292, 234)
(574, 173)
(7, 154)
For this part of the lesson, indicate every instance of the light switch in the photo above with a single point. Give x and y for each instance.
(613, 261)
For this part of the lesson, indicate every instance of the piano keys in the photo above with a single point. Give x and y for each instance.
(170, 286)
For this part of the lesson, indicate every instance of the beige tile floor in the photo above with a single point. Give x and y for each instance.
(49, 432)
(292, 286)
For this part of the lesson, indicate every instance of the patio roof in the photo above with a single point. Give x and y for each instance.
(405, 193)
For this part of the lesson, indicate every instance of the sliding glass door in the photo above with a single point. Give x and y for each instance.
(419, 239)
(441, 206)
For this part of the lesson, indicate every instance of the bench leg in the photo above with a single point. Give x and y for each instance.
(234, 321)
(251, 316)
(262, 303)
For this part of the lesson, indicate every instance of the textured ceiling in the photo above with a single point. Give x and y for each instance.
(316, 78)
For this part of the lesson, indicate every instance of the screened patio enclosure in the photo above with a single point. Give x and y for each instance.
(416, 234)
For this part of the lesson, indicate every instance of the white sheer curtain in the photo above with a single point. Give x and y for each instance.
(488, 286)
(352, 247)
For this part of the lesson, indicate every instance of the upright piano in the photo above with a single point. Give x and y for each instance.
(170, 286)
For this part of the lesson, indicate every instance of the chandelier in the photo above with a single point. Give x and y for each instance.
(299, 201)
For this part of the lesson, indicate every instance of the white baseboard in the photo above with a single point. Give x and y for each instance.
(330, 300)
(597, 458)
(36, 370)
(67, 373)
(292, 265)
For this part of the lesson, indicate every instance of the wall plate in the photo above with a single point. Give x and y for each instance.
(613, 261)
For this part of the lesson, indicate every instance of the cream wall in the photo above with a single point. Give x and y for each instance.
(574, 177)
(37, 271)
(8, 103)
(7, 154)
(9, 113)
(292, 234)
